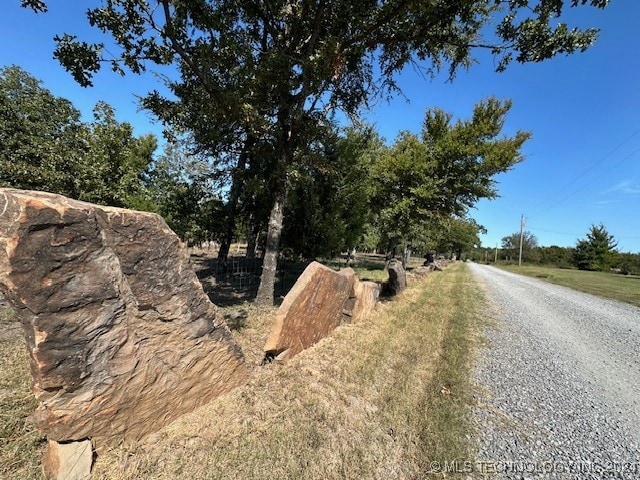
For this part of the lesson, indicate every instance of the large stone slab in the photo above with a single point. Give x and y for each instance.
(312, 309)
(397, 281)
(122, 338)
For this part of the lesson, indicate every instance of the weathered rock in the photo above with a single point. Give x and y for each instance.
(423, 271)
(350, 302)
(366, 296)
(397, 279)
(122, 339)
(67, 461)
(312, 309)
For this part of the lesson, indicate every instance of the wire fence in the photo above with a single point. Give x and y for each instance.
(237, 277)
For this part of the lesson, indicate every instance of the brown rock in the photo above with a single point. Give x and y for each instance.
(423, 271)
(313, 308)
(397, 279)
(366, 296)
(67, 461)
(121, 336)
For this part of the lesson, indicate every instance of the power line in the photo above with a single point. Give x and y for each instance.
(553, 231)
(589, 183)
(598, 162)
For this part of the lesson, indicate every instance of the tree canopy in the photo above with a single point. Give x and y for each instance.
(443, 173)
(511, 245)
(44, 145)
(272, 73)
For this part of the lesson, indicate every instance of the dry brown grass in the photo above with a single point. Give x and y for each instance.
(379, 399)
(20, 443)
(375, 400)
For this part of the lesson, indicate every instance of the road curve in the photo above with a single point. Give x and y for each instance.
(557, 383)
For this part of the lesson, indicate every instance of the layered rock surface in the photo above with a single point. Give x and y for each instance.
(397, 279)
(313, 308)
(122, 338)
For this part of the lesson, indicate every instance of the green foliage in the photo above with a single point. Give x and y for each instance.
(627, 263)
(561, 257)
(328, 40)
(41, 136)
(329, 202)
(460, 235)
(180, 187)
(597, 251)
(511, 246)
(115, 162)
(419, 181)
(44, 146)
(275, 73)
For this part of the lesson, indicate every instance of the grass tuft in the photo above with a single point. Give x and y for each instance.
(20, 443)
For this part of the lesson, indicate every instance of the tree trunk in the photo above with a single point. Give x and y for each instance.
(252, 237)
(284, 152)
(390, 255)
(270, 260)
(406, 256)
(230, 223)
(351, 256)
(237, 182)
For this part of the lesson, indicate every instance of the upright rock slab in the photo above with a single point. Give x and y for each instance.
(67, 461)
(397, 279)
(312, 309)
(122, 338)
(366, 295)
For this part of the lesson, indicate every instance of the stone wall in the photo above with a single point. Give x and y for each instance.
(122, 339)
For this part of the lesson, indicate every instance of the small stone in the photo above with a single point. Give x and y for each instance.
(67, 461)
(366, 297)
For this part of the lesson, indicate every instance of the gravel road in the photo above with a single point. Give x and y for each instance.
(558, 383)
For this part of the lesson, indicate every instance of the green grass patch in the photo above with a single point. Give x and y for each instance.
(624, 288)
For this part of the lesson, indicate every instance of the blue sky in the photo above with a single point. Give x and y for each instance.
(582, 165)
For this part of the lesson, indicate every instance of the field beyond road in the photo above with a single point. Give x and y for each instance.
(624, 288)
(379, 399)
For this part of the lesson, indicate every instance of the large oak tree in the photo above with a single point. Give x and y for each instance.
(270, 72)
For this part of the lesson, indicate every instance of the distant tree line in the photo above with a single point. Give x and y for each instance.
(352, 191)
(597, 251)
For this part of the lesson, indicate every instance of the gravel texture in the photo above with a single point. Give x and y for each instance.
(558, 383)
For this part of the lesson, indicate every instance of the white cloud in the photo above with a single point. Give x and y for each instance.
(628, 187)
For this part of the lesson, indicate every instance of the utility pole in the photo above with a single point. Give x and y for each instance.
(521, 235)
(496, 259)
